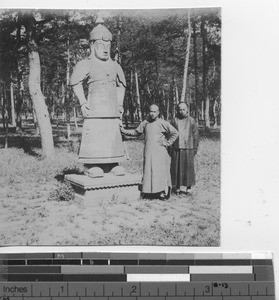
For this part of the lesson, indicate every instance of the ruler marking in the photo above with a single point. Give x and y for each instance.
(249, 289)
(234, 288)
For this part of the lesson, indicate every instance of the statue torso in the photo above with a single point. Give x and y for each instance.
(102, 94)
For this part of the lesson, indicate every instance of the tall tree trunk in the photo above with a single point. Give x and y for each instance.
(39, 104)
(63, 102)
(68, 111)
(206, 113)
(75, 118)
(168, 107)
(205, 81)
(215, 111)
(131, 107)
(164, 103)
(4, 104)
(6, 120)
(138, 97)
(176, 98)
(20, 87)
(35, 121)
(196, 71)
(184, 88)
(12, 105)
(19, 101)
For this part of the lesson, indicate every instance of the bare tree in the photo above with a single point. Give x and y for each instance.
(36, 94)
(183, 94)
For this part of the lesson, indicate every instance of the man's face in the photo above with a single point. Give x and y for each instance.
(153, 112)
(183, 110)
(102, 49)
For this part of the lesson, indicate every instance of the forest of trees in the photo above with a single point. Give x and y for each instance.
(167, 56)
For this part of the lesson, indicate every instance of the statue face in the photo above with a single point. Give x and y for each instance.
(102, 49)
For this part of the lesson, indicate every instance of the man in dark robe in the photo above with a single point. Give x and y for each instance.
(159, 134)
(184, 150)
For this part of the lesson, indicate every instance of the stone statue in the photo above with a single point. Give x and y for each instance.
(101, 146)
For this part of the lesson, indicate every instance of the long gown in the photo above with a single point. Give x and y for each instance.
(184, 149)
(159, 134)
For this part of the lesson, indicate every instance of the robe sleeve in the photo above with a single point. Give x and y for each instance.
(135, 132)
(196, 137)
(80, 72)
(171, 132)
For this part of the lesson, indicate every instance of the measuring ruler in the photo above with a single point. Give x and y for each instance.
(136, 276)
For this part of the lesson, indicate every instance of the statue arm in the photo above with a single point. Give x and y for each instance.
(79, 92)
(120, 84)
(80, 73)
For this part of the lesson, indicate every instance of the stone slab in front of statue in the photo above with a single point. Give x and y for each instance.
(92, 190)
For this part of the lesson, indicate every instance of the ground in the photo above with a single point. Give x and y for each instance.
(38, 208)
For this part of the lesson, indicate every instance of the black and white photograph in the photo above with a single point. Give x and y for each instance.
(110, 126)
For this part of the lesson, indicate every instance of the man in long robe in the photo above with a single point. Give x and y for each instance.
(159, 134)
(184, 150)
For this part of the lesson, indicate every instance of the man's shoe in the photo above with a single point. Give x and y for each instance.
(177, 191)
(162, 196)
(189, 191)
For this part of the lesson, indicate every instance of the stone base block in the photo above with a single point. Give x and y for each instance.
(92, 191)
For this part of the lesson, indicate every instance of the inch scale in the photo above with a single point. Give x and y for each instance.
(136, 276)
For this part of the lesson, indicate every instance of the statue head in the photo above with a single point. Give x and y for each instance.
(100, 40)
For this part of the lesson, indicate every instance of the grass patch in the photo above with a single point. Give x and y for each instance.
(37, 206)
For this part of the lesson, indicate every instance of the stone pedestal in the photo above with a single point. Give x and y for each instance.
(91, 191)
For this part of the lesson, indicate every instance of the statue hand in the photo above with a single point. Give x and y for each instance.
(121, 111)
(85, 109)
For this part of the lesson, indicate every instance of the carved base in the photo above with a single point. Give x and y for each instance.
(94, 190)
